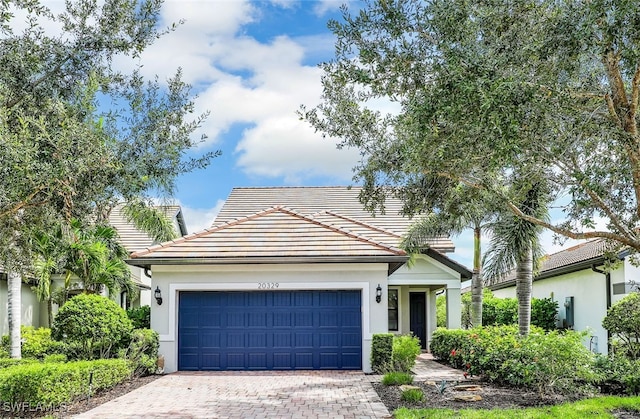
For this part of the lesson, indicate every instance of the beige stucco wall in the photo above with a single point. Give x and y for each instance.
(173, 279)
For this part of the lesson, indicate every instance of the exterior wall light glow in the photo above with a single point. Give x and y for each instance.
(158, 295)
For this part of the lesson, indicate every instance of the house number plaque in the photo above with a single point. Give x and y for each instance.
(267, 285)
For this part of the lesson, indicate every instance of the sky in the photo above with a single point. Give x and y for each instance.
(252, 64)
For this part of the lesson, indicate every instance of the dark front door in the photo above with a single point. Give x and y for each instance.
(418, 317)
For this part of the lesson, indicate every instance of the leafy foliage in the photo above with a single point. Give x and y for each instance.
(140, 317)
(504, 311)
(618, 374)
(92, 324)
(52, 384)
(547, 362)
(36, 342)
(381, 352)
(488, 93)
(412, 395)
(397, 378)
(623, 321)
(405, 350)
(142, 351)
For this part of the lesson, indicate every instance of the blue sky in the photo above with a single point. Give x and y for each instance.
(252, 64)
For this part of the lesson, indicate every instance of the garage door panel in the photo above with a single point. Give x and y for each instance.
(269, 330)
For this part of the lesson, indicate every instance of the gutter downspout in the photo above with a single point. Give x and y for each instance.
(147, 271)
(608, 282)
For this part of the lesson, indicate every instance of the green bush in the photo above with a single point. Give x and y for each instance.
(618, 375)
(441, 310)
(405, 350)
(623, 322)
(36, 343)
(504, 311)
(59, 358)
(397, 378)
(412, 395)
(142, 351)
(92, 326)
(547, 362)
(53, 384)
(140, 317)
(10, 362)
(381, 352)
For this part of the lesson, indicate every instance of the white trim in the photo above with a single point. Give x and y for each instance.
(251, 286)
(448, 283)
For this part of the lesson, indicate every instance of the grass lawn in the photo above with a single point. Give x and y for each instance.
(599, 407)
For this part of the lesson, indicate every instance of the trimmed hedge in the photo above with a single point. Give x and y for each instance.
(381, 352)
(53, 384)
(36, 343)
(547, 362)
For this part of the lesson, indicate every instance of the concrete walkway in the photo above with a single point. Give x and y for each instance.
(297, 394)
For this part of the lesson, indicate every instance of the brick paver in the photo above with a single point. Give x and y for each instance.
(269, 394)
(300, 394)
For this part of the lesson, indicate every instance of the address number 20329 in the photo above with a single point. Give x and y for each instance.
(268, 285)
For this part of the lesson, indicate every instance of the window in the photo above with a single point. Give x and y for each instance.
(393, 310)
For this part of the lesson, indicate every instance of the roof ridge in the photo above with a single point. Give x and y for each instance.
(341, 230)
(361, 223)
(204, 232)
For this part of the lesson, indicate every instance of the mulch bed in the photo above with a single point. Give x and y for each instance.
(492, 397)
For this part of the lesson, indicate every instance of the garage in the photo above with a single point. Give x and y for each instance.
(269, 330)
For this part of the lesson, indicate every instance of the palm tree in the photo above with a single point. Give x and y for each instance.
(14, 302)
(516, 245)
(465, 208)
(48, 261)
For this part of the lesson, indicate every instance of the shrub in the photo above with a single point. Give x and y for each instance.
(405, 350)
(36, 343)
(92, 325)
(412, 395)
(544, 313)
(51, 384)
(547, 362)
(504, 311)
(618, 375)
(11, 362)
(59, 358)
(142, 351)
(623, 321)
(140, 317)
(441, 311)
(397, 378)
(381, 352)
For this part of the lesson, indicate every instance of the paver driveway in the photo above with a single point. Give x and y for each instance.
(300, 394)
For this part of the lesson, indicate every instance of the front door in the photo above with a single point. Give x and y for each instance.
(418, 317)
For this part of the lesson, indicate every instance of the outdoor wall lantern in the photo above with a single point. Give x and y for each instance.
(378, 294)
(158, 294)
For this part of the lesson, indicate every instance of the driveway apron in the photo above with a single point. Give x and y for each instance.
(299, 394)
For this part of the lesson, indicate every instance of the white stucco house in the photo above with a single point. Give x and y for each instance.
(576, 279)
(34, 313)
(294, 278)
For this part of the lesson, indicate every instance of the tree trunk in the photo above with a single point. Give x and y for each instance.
(476, 281)
(524, 283)
(14, 306)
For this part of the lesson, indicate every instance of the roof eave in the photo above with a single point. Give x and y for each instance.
(448, 262)
(394, 261)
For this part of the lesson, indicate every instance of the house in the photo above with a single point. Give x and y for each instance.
(294, 278)
(584, 290)
(34, 313)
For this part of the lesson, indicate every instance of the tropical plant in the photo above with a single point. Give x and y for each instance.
(465, 208)
(623, 322)
(516, 244)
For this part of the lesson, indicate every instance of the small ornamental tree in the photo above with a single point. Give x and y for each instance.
(623, 321)
(93, 325)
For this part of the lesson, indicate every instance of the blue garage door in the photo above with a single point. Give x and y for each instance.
(270, 330)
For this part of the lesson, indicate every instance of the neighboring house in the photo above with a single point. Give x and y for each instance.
(575, 278)
(34, 313)
(294, 278)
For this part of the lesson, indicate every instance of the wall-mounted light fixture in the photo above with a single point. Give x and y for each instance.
(378, 294)
(158, 295)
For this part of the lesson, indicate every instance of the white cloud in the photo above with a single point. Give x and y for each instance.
(324, 6)
(197, 219)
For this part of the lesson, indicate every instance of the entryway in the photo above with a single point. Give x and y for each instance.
(418, 316)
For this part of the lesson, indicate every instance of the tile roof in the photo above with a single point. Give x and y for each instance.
(324, 201)
(577, 256)
(276, 232)
(132, 238)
